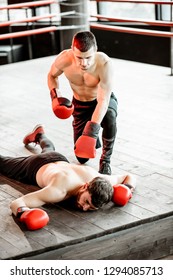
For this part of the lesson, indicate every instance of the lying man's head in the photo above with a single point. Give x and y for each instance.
(95, 194)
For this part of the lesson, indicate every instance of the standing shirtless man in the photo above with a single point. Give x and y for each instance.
(94, 105)
(59, 180)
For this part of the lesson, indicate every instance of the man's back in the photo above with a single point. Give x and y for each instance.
(64, 175)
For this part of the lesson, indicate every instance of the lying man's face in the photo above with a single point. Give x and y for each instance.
(83, 201)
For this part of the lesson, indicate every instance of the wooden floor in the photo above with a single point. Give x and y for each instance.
(144, 146)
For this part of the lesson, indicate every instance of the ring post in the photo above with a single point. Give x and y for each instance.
(79, 18)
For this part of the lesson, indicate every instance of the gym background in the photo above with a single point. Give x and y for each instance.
(147, 49)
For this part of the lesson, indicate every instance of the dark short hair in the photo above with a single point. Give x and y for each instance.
(101, 191)
(84, 40)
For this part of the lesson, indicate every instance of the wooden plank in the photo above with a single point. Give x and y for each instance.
(147, 241)
(6, 247)
(143, 147)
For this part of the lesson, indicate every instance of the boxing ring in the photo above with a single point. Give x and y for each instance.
(31, 21)
(98, 25)
(145, 32)
(140, 230)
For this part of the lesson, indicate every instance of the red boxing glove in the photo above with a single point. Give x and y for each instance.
(121, 194)
(33, 218)
(85, 146)
(61, 106)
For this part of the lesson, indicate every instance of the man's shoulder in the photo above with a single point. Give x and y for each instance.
(66, 54)
(103, 58)
(64, 57)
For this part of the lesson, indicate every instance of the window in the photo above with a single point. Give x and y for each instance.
(130, 10)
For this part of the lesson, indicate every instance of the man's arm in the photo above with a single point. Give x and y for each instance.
(104, 92)
(61, 106)
(54, 73)
(121, 179)
(49, 194)
(62, 60)
(90, 133)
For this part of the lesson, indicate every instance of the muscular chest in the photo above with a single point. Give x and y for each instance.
(79, 78)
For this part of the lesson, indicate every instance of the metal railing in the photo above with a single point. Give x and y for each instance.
(31, 23)
(165, 34)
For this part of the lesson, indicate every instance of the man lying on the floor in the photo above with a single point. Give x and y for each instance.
(59, 180)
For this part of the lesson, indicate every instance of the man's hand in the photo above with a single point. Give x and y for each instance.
(85, 146)
(61, 106)
(121, 194)
(33, 218)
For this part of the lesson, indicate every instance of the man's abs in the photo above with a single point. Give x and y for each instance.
(84, 86)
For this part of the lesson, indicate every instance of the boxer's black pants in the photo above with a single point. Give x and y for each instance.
(82, 114)
(24, 169)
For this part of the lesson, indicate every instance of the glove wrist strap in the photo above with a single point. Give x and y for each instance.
(20, 211)
(58, 92)
(91, 129)
(129, 186)
(54, 93)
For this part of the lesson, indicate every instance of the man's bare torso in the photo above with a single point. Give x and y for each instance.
(83, 83)
(65, 176)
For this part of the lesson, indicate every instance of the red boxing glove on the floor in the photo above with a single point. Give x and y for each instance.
(61, 106)
(121, 194)
(33, 218)
(85, 146)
